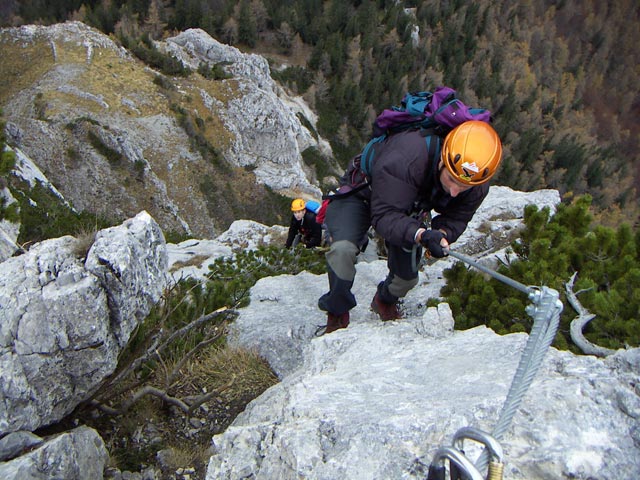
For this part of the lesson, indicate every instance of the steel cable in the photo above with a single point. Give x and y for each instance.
(545, 310)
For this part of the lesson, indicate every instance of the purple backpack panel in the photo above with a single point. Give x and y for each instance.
(430, 109)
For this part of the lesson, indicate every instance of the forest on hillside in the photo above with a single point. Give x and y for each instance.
(560, 77)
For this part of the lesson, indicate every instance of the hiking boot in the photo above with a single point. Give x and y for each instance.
(387, 311)
(335, 322)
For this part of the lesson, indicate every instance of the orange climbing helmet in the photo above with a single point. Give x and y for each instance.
(472, 152)
(297, 205)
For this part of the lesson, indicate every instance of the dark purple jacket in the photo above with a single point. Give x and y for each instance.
(402, 175)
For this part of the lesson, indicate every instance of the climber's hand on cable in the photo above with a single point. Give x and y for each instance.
(436, 242)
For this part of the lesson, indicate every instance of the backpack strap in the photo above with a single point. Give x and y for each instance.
(434, 142)
(434, 147)
(366, 160)
(344, 191)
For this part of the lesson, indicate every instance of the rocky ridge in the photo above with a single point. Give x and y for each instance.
(107, 130)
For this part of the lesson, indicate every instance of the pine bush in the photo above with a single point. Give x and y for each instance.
(549, 252)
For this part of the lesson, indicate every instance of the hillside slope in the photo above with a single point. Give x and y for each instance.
(116, 137)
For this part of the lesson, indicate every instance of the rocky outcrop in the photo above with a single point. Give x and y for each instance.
(267, 135)
(79, 454)
(28, 172)
(192, 258)
(104, 128)
(66, 314)
(376, 400)
(499, 219)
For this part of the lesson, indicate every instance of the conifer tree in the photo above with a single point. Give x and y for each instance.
(153, 22)
(247, 29)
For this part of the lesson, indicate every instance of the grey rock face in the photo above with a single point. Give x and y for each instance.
(376, 400)
(63, 320)
(268, 134)
(8, 230)
(76, 455)
(14, 443)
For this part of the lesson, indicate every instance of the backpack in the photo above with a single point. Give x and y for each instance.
(312, 206)
(440, 111)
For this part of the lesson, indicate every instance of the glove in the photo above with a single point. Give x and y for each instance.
(430, 239)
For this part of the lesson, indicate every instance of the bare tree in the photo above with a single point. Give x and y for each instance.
(153, 22)
(285, 37)
(230, 31)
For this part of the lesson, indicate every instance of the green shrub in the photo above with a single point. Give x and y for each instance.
(113, 156)
(312, 157)
(10, 212)
(550, 250)
(144, 48)
(297, 78)
(7, 161)
(214, 72)
(164, 82)
(307, 124)
(44, 215)
(233, 278)
(230, 280)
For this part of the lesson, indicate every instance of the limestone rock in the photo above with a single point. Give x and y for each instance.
(376, 400)
(79, 454)
(64, 320)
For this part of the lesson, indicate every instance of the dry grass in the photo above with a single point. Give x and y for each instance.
(195, 261)
(214, 368)
(84, 242)
(189, 454)
(215, 131)
(22, 65)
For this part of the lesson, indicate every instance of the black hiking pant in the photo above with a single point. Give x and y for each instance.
(347, 221)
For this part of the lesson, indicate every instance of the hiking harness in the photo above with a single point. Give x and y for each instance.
(545, 310)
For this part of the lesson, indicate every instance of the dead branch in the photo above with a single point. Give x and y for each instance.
(155, 350)
(104, 408)
(192, 325)
(124, 373)
(149, 390)
(187, 404)
(205, 343)
(195, 402)
(578, 323)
